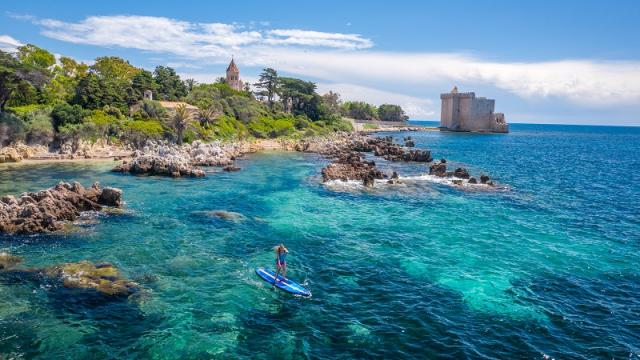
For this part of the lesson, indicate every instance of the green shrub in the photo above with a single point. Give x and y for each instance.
(37, 123)
(246, 109)
(25, 110)
(101, 124)
(12, 128)
(301, 122)
(39, 127)
(389, 112)
(139, 131)
(65, 114)
(266, 127)
(227, 127)
(342, 125)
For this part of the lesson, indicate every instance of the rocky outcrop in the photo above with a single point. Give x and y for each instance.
(461, 173)
(385, 148)
(48, 210)
(439, 169)
(173, 160)
(351, 166)
(394, 179)
(408, 142)
(346, 150)
(153, 164)
(19, 151)
(103, 278)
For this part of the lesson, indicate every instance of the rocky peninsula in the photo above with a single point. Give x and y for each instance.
(167, 159)
(346, 151)
(48, 210)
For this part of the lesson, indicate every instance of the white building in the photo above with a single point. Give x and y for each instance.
(466, 112)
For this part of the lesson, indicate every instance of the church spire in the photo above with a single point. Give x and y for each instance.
(233, 76)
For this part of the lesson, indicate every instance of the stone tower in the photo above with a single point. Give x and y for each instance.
(463, 111)
(233, 76)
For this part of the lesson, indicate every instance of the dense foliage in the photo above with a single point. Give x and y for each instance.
(45, 100)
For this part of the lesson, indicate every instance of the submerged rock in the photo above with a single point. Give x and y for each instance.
(8, 261)
(222, 214)
(48, 210)
(104, 278)
(231, 168)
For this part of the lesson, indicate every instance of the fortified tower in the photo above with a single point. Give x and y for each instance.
(233, 76)
(466, 112)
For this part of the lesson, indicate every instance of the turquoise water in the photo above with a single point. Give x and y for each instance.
(547, 267)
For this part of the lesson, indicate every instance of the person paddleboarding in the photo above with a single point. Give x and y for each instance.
(281, 263)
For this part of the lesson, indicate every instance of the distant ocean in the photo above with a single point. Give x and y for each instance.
(547, 266)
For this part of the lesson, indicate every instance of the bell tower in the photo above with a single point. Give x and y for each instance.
(233, 76)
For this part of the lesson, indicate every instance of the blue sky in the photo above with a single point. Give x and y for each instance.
(543, 62)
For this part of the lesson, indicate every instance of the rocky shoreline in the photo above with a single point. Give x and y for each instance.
(49, 210)
(86, 150)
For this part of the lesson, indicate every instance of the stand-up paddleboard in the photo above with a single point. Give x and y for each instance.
(287, 285)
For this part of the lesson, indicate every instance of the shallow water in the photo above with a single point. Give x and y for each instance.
(545, 266)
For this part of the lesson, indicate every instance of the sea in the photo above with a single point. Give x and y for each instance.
(544, 265)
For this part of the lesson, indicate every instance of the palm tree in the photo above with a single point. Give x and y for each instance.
(181, 119)
(206, 116)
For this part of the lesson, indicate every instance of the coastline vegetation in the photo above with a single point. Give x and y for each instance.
(49, 101)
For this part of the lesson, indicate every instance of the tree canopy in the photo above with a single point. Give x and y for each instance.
(43, 98)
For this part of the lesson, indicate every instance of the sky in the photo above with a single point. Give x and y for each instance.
(563, 62)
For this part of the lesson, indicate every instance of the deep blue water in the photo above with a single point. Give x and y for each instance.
(548, 266)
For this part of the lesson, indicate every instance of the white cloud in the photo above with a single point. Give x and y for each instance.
(9, 44)
(191, 40)
(583, 82)
(338, 58)
(316, 38)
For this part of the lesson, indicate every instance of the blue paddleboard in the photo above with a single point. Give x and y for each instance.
(287, 285)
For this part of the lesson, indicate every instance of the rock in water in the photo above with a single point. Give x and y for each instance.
(222, 214)
(48, 210)
(439, 169)
(104, 278)
(231, 168)
(394, 179)
(461, 173)
(8, 261)
(111, 197)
